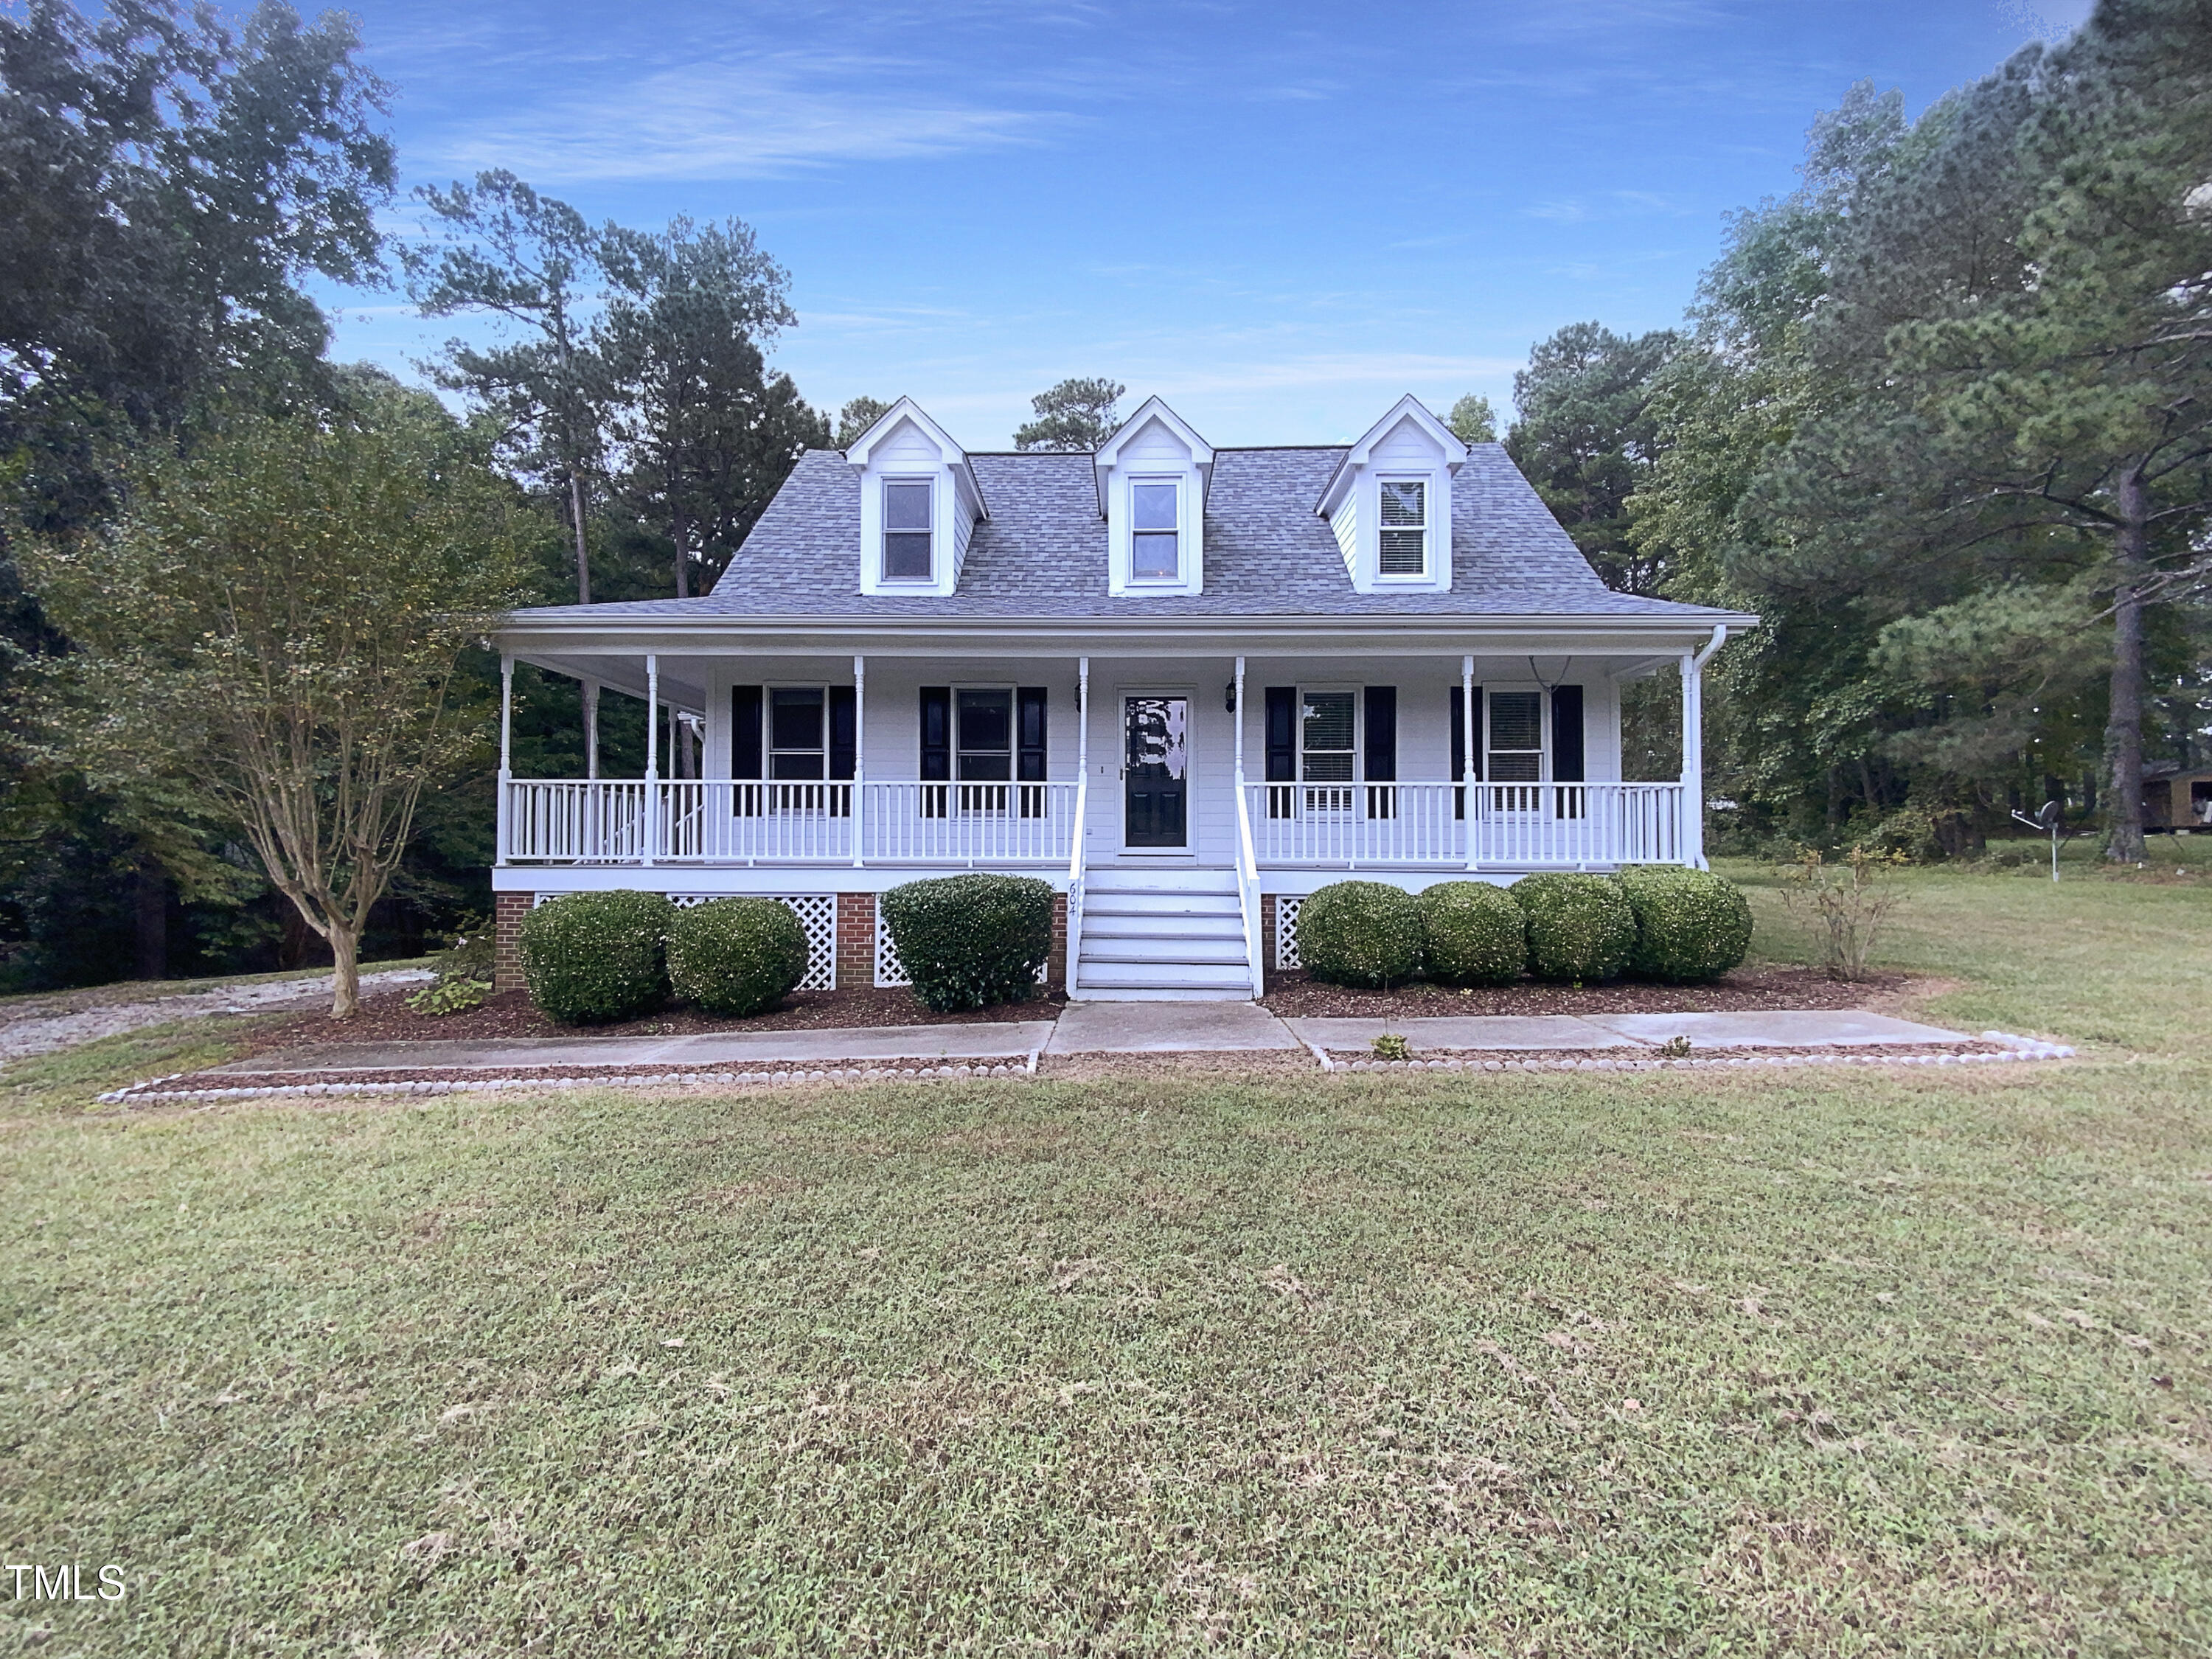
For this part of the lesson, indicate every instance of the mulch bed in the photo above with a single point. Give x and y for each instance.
(384, 1017)
(1294, 995)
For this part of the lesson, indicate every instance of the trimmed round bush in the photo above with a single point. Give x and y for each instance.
(592, 958)
(968, 941)
(736, 956)
(1360, 932)
(1691, 924)
(1579, 928)
(1473, 932)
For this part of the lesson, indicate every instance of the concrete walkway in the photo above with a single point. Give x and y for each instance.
(1011, 1040)
(1116, 1028)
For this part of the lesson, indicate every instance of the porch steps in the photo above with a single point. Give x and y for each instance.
(1162, 934)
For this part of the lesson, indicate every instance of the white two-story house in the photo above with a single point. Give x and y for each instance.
(1187, 686)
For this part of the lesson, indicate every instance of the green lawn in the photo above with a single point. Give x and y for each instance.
(1805, 1363)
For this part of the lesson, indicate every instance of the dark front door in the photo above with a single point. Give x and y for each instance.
(1156, 771)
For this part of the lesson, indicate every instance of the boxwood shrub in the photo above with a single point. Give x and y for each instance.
(1580, 928)
(590, 958)
(736, 956)
(1691, 924)
(966, 941)
(1360, 932)
(1473, 932)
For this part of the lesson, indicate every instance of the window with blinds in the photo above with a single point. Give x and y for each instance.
(908, 556)
(1405, 529)
(1516, 750)
(1327, 734)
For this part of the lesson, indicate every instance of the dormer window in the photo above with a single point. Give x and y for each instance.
(908, 534)
(1404, 549)
(1155, 529)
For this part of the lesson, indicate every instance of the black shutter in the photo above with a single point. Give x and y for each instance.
(844, 732)
(1282, 734)
(1028, 735)
(936, 733)
(745, 731)
(1566, 734)
(1459, 749)
(1382, 734)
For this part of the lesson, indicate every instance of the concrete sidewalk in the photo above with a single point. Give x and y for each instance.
(1115, 1028)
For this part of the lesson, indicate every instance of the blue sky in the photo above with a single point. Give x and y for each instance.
(1280, 217)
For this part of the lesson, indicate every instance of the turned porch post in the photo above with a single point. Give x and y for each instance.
(1471, 802)
(652, 755)
(1693, 750)
(860, 756)
(505, 751)
(591, 728)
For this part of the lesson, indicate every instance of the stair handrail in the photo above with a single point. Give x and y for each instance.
(1075, 881)
(1248, 890)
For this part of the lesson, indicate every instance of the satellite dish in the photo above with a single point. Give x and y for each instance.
(2048, 818)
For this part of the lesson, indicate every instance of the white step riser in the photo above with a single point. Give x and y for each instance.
(1161, 881)
(1166, 907)
(1163, 951)
(1154, 976)
(1152, 927)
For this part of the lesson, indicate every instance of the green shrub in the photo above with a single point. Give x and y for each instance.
(1580, 928)
(1473, 934)
(443, 996)
(968, 941)
(736, 956)
(1360, 932)
(1691, 924)
(590, 958)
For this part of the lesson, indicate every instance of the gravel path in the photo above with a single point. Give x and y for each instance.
(39, 1029)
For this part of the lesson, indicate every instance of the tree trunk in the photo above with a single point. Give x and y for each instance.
(345, 977)
(152, 918)
(2123, 723)
(576, 515)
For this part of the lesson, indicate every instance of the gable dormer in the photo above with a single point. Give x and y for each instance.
(1389, 503)
(919, 504)
(1152, 475)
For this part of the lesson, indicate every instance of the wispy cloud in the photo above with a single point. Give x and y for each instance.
(764, 118)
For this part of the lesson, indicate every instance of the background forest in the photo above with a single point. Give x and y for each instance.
(1941, 416)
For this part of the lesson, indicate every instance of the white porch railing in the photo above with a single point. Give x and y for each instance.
(1350, 825)
(747, 821)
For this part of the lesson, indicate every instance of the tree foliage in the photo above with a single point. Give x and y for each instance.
(1075, 415)
(1473, 420)
(856, 417)
(273, 625)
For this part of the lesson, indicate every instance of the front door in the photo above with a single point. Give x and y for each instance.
(1156, 771)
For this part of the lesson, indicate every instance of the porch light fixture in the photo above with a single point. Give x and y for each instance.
(1229, 698)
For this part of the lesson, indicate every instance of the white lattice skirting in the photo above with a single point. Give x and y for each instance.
(1286, 931)
(890, 971)
(816, 914)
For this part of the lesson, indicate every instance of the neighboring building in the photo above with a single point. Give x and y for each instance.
(2177, 797)
(1185, 685)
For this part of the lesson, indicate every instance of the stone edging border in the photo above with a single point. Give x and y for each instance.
(151, 1090)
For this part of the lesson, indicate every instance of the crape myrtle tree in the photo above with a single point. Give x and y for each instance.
(274, 625)
(1075, 415)
(2023, 305)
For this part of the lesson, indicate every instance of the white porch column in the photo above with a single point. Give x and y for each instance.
(1693, 750)
(591, 728)
(1469, 730)
(1083, 718)
(506, 752)
(859, 754)
(652, 756)
(1239, 701)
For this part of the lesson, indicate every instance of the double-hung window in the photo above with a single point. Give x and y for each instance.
(1515, 753)
(1155, 530)
(1327, 734)
(908, 554)
(1404, 527)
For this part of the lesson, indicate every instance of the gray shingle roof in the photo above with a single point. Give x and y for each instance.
(1042, 550)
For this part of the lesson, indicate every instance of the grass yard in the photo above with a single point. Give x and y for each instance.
(1802, 1363)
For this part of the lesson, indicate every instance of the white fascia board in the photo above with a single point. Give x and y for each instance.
(1406, 408)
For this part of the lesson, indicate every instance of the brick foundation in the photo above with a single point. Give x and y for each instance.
(856, 941)
(507, 912)
(1055, 966)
